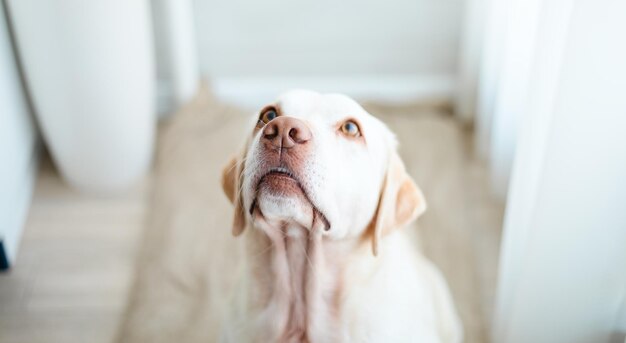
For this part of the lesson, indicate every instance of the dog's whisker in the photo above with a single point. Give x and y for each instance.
(237, 164)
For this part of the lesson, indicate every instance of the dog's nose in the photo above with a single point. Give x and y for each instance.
(286, 132)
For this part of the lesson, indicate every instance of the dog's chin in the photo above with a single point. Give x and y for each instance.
(280, 201)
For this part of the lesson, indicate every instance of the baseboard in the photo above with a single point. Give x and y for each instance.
(253, 92)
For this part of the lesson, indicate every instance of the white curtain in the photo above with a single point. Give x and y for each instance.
(551, 118)
(496, 59)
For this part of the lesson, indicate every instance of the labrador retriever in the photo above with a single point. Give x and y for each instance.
(320, 195)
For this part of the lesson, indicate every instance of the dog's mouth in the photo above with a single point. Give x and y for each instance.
(283, 180)
(280, 172)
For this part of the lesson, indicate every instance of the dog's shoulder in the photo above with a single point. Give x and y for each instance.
(399, 296)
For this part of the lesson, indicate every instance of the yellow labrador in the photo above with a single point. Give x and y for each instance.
(320, 194)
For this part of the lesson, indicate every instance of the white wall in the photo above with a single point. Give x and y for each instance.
(326, 37)
(413, 40)
(18, 147)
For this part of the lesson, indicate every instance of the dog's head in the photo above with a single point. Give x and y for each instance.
(321, 162)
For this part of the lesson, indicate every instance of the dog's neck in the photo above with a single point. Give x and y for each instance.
(297, 281)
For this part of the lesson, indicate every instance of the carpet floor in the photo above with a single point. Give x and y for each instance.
(184, 267)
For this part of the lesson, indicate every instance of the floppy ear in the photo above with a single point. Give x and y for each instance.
(231, 183)
(400, 202)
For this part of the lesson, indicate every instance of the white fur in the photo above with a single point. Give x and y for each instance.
(397, 296)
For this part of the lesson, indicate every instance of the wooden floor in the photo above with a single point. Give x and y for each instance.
(74, 266)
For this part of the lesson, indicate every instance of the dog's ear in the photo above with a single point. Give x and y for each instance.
(401, 201)
(231, 184)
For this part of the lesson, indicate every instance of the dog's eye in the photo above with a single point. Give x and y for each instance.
(350, 129)
(268, 115)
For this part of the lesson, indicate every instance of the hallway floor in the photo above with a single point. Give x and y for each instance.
(74, 266)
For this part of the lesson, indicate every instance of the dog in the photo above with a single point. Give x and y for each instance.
(321, 195)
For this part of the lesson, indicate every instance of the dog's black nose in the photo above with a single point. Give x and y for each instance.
(286, 132)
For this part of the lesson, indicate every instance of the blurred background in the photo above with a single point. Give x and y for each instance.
(116, 118)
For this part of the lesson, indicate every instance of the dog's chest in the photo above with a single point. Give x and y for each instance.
(305, 288)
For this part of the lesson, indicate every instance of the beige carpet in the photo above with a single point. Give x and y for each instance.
(184, 268)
